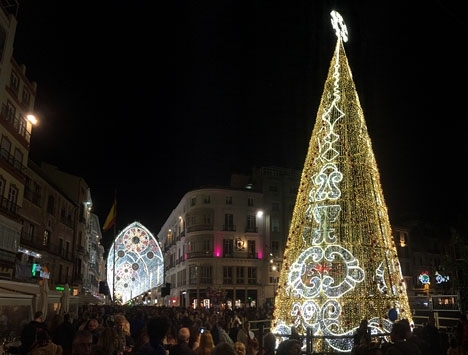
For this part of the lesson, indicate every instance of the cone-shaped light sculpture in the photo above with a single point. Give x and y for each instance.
(340, 263)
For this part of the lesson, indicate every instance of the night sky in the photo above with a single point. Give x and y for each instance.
(153, 100)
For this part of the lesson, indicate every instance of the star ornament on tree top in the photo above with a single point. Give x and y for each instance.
(339, 26)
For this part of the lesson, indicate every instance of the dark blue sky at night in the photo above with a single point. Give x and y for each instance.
(157, 99)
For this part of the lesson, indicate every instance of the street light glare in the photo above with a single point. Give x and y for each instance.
(32, 118)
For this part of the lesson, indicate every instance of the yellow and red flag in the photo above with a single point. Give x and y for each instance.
(110, 220)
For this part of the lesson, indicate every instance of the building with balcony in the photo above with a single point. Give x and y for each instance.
(49, 218)
(219, 242)
(86, 234)
(59, 230)
(17, 96)
(60, 240)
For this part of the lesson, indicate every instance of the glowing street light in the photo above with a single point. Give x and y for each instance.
(31, 118)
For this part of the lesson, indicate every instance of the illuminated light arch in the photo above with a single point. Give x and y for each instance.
(138, 261)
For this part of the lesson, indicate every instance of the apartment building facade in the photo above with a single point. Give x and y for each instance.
(47, 234)
(222, 246)
(87, 252)
(17, 96)
(60, 241)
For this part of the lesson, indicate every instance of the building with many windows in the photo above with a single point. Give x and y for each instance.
(223, 246)
(46, 224)
(17, 96)
(47, 235)
(87, 253)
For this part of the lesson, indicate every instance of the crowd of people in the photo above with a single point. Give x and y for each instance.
(140, 330)
(405, 340)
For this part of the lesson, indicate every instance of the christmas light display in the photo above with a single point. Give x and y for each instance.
(135, 263)
(340, 263)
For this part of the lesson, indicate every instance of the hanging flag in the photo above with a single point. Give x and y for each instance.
(110, 220)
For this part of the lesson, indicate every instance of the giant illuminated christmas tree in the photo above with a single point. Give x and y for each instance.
(340, 263)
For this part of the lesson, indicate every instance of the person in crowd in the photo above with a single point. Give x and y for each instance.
(399, 345)
(444, 340)
(362, 331)
(137, 323)
(362, 348)
(254, 347)
(28, 334)
(223, 349)
(206, 344)
(109, 343)
(123, 331)
(56, 320)
(247, 336)
(269, 344)
(81, 320)
(461, 332)
(129, 341)
(295, 334)
(93, 326)
(289, 347)
(64, 334)
(213, 327)
(239, 348)
(171, 339)
(195, 328)
(244, 333)
(415, 336)
(44, 345)
(236, 323)
(82, 342)
(374, 349)
(154, 332)
(182, 347)
(454, 347)
(222, 333)
(194, 345)
(432, 337)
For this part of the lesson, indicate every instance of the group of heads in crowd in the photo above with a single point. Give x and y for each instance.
(141, 330)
